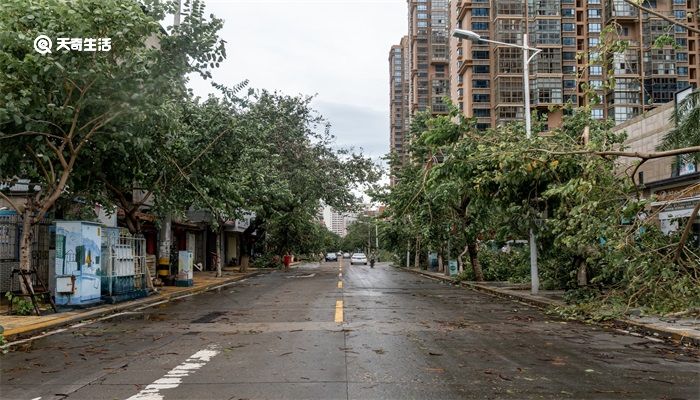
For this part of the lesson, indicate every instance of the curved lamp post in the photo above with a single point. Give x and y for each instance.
(527, 57)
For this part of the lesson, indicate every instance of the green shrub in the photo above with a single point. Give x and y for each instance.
(20, 306)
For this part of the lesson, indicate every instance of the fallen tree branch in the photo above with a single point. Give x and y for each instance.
(686, 233)
(631, 154)
(664, 17)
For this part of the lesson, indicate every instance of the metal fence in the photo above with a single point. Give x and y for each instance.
(42, 244)
(123, 263)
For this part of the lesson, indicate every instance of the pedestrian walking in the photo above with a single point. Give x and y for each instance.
(287, 259)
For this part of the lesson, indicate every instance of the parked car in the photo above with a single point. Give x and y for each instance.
(346, 255)
(358, 258)
(331, 257)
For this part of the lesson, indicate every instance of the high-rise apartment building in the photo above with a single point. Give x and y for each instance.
(486, 79)
(419, 69)
(398, 94)
(428, 55)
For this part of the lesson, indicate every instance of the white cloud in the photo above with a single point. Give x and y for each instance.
(337, 50)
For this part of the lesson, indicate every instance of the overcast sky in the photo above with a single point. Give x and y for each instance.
(335, 49)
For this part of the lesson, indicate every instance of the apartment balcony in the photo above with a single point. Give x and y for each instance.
(621, 10)
(467, 63)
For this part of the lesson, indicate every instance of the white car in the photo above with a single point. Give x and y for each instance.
(358, 258)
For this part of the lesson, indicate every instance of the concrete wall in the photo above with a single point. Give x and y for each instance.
(644, 133)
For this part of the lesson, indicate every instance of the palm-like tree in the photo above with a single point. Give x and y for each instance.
(686, 132)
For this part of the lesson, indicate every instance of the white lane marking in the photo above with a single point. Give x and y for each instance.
(340, 275)
(173, 378)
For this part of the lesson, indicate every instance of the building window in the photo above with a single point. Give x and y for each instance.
(422, 7)
(568, 41)
(679, 14)
(595, 84)
(594, 13)
(480, 83)
(567, 12)
(480, 12)
(481, 98)
(593, 42)
(594, 28)
(482, 69)
(548, 90)
(548, 32)
(622, 114)
(568, 56)
(480, 26)
(681, 56)
(482, 112)
(569, 84)
(422, 16)
(480, 55)
(595, 70)
(568, 27)
(422, 24)
(683, 71)
(568, 69)
(597, 113)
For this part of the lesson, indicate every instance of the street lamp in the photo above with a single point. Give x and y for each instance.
(527, 57)
(475, 37)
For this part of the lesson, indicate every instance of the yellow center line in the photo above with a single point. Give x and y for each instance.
(339, 311)
(340, 284)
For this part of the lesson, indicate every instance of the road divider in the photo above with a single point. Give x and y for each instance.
(339, 311)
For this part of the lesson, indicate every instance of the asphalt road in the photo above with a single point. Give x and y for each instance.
(401, 337)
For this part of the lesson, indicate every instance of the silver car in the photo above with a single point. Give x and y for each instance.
(358, 258)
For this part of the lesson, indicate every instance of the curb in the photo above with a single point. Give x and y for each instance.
(621, 325)
(111, 309)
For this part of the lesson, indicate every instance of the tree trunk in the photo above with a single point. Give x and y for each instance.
(416, 258)
(245, 261)
(460, 259)
(25, 249)
(440, 263)
(219, 250)
(581, 271)
(473, 257)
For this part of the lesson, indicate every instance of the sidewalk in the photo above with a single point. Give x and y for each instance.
(15, 325)
(680, 330)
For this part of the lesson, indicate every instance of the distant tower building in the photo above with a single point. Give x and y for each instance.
(337, 222)
(428, 52)
(398, 94)
(419, 70)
